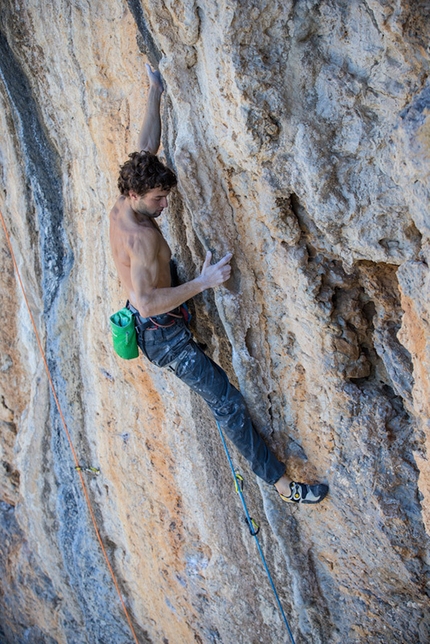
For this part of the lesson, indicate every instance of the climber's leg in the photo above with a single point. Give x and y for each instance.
(228, 406)
(207, 379)
(172, 347)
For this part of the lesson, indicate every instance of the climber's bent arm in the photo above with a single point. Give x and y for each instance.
(145, 273)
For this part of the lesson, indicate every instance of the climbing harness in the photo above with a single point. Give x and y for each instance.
(162, 321)
(78, 467)
(253, 529)
(157, 325)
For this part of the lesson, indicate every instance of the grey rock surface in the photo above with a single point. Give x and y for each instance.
(300, 134)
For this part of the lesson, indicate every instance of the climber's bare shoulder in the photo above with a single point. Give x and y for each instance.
(137, 245)
(130, 236)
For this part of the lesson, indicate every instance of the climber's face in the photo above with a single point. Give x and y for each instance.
(151, 204)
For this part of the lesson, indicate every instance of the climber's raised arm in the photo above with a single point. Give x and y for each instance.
(150, 133)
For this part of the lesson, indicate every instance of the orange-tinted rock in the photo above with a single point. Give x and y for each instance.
(299, 133)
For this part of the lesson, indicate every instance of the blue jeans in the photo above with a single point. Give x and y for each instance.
(173, 347)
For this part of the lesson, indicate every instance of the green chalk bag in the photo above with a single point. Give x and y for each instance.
(124, 334)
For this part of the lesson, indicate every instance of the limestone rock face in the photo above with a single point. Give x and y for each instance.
(300, 133)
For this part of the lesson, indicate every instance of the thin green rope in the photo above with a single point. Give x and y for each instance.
(254, 533)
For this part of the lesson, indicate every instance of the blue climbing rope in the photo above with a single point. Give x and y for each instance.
(254, 529)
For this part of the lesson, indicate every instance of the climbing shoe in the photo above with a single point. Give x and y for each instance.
(303, 493)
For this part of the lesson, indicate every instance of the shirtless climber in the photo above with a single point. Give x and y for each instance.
(142, 258)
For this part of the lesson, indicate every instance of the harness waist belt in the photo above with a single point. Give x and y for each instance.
(164, 320)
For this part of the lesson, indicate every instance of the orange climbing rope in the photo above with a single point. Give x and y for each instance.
(63, 420)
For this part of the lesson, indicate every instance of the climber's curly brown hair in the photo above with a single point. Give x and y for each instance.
(142, 172)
